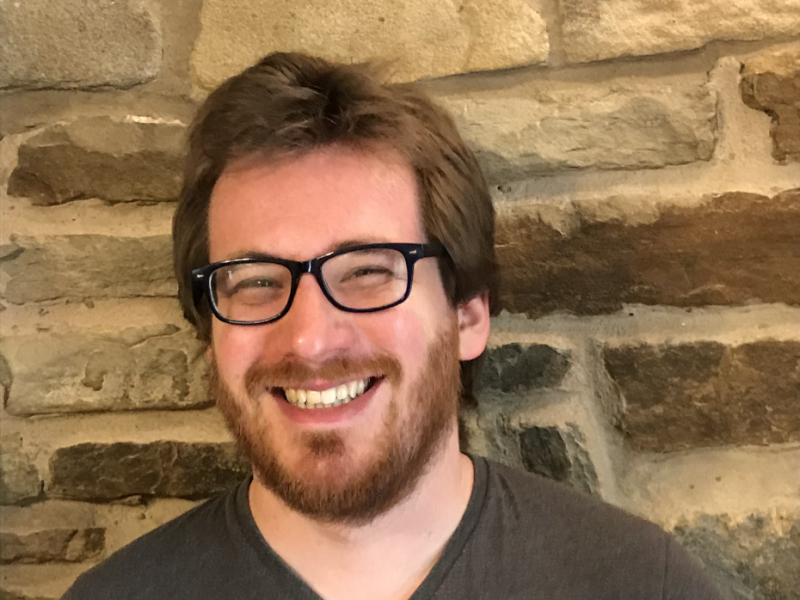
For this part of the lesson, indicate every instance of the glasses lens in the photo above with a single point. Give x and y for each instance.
(252, 291)
(364, 279)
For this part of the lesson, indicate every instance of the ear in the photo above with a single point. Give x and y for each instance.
(473, 326)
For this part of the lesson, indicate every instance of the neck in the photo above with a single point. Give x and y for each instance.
(387, 558)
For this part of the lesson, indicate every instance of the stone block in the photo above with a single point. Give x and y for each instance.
(415, 39)
(65, 544)
(78, 43)
(19, 478)
(737, 249)
(157, 368)
(771, 82)
(79, 266)
(97, 157)
(522, 131)
(558, 453)
(517, 368)
(758, 557)
(102, 472)
(597, 30)
(707, 394)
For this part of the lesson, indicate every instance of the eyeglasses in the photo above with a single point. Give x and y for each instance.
(358, 279)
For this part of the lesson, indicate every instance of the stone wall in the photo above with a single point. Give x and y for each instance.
(644, 158)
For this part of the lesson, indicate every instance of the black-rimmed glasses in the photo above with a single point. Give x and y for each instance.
(359, 279)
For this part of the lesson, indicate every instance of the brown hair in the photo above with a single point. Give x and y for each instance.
(290, 104)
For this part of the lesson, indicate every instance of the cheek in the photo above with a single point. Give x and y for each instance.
(235, 350)
(406, 337)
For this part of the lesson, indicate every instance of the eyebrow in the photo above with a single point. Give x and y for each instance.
(254, 255)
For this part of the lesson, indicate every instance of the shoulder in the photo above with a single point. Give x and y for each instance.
(584, 542)
(165, 559)
(521, 495)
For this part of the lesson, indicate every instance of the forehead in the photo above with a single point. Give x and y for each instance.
(303, 207)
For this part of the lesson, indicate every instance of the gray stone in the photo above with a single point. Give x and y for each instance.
(100, 158)
(558, 453)
(417, 38)
(522, 131)
(707, 394)
(596, 29)
(771, 82)
(756, 559)
(101, 472)
(51, 545)
(64, 373)
(19, 478)
(89, 266)
(737, 249)
(78, 43)
(523, 367)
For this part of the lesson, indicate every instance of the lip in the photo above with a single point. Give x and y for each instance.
(322, 417)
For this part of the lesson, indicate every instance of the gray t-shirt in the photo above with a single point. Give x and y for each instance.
(522, 537)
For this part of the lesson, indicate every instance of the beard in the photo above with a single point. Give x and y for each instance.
(328, 483)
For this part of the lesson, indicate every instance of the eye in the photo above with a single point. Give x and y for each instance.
(369, 270)
(254, 283)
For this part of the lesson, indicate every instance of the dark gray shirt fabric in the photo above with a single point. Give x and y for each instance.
(522, 537)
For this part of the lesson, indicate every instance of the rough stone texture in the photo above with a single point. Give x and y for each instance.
(102, 472)
(11, 594)
(417, 39)
(522, 367)
(100, 158)
(737, 249)
(19, 478)
(558, 454)
(757, 559)
(596, 29)
(138, 369)
(51, 545)
(78, 43)
(771, 82)
(707, 394)
(524, 130)
(88, 266)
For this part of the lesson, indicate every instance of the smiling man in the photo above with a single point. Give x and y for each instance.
(334, 249)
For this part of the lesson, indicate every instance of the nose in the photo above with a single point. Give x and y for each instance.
(313, 330)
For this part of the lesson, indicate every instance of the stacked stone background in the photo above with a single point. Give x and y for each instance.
(644, 158)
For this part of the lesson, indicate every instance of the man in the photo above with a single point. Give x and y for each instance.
(334, 248)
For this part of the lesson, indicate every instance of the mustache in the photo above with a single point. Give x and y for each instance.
(291, 373)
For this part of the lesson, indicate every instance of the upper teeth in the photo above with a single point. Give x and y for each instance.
(334, 396)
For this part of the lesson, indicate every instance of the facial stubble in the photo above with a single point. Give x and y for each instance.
(326, 486)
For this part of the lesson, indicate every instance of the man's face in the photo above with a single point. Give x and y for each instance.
(354, 461)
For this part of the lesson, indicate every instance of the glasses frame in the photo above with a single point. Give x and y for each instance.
(202, 276)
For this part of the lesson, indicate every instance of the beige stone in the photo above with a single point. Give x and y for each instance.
(596, 30)
(19, 478)
(100, 157)
(88, 266)
(145, 368)
(525, 130)
(417, 39)
(78, 43)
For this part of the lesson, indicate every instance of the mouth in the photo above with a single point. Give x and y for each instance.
(335, 396)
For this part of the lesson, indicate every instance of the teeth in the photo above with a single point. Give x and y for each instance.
(335, 396)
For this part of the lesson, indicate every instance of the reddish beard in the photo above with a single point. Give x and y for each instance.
(324, 485)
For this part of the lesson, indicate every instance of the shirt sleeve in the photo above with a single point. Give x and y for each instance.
(684, 577)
